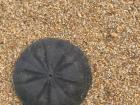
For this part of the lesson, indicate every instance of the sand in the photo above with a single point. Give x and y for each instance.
(108, 31)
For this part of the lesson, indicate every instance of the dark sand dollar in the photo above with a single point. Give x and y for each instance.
(52, 72)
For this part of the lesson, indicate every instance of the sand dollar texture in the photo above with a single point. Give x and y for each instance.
(52, 72)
